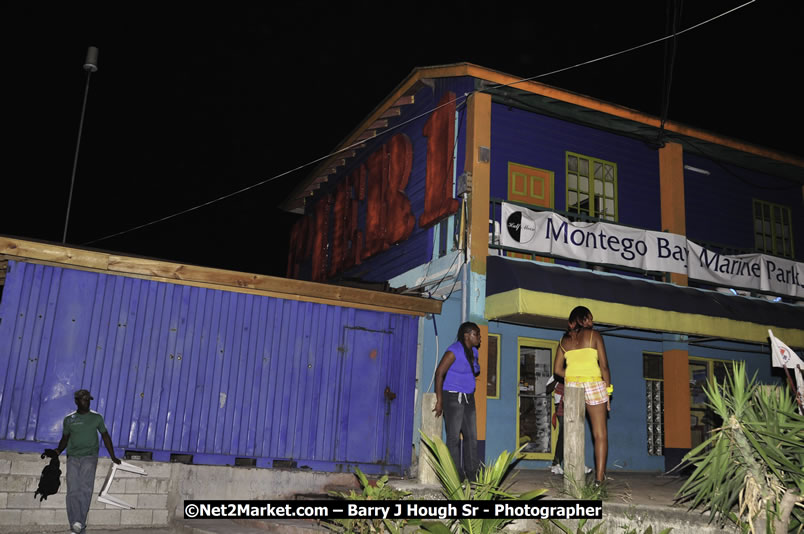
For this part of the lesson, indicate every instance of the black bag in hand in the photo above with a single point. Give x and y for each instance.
(50, 480)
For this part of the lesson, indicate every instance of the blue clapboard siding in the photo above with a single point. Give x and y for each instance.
(720, 207)
(539, 141)
(627, 421)
(217, 374)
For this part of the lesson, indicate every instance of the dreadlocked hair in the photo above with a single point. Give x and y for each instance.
(464, 329)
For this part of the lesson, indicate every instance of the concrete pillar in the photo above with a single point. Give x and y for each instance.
(431, 426)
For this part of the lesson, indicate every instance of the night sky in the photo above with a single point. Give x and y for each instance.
(192, 104)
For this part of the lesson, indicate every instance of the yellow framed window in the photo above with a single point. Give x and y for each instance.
(591, 186)
(773, 230)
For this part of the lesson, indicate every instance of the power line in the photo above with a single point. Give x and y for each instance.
(627, 50)
(224, 197)
(243, 190)
(669, 62)
(392, 128)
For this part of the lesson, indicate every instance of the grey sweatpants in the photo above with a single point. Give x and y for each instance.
(80, 483)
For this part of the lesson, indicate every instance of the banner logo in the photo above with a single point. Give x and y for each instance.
(520, 227)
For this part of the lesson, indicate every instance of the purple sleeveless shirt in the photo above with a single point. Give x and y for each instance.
(459, 375)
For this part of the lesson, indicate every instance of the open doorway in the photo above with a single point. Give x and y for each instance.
(535, 405)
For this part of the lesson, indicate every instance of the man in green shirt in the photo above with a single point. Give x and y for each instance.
(80, 438)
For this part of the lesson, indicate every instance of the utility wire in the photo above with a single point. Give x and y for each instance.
(243, 190)
(627, 50)
(457, 100)
(667, 74)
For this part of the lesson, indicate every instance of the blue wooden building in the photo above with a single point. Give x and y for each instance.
(514, 202)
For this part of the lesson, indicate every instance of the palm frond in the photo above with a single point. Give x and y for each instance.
(488, 486)
(744, 468)
(440, 460)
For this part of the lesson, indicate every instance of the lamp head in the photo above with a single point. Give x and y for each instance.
(91, 62)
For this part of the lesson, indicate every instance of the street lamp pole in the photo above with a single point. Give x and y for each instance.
(90, 65)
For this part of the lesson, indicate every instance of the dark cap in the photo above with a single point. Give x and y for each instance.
(82, 392)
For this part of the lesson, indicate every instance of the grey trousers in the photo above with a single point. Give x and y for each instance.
(460, 417)
(80, 483)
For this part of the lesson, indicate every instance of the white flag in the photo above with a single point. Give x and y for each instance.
(782, 355)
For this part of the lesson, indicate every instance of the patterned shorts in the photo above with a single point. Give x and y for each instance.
(594, 392)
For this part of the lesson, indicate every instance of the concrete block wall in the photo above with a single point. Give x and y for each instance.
(21, 512)
(249, 483)
(158, 498)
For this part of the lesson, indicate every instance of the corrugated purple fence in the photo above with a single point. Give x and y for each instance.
(215, 374)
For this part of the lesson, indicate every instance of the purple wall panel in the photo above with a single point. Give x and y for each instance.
(720, 205)
(216, 374)
(540, 141)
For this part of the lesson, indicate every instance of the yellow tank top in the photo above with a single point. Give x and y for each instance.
(582, 365)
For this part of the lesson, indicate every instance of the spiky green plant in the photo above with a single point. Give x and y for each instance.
(566, 529)
(378, 491)
(751, 469)
(492, 484)
(586, 491)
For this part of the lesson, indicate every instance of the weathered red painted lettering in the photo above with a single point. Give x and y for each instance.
(440, 133)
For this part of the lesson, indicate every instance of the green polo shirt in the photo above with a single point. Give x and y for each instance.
(82, 429)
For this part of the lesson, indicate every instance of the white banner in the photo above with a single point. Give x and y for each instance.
(546, 232)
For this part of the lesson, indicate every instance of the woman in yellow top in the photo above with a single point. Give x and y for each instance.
(583, 352)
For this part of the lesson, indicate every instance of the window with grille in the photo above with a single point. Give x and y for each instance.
(653, 372)
(773, 231)
(591, 186)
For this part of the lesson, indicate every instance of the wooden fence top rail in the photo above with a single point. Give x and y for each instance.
(222, 279)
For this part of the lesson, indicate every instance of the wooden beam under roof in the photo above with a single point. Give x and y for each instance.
(296, 206)
(221, 279)
(370, 131)
(346, 154)
(391, 112)
(368, 134)
(302, 197)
